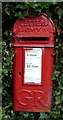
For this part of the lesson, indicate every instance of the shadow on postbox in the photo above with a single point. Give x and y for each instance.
(33, 64)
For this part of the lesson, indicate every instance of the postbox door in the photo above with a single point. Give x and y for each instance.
(32, 79)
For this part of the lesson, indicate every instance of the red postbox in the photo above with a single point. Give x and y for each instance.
(33, 64)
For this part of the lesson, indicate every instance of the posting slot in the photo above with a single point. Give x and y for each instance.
(33, 40)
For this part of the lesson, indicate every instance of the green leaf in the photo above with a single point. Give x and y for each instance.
(22, 6)
(62, 108)
(7, 11)
(60, 12)
(62, 60)
(1, 90)
(0, 113)
(21, 15)
(43, 115)
(61, 97)
(34, 5)
(57, 65)
(58, 100)
(38, 9)
(54, 54)
(53, 78)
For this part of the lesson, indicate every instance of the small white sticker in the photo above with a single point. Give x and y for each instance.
(33, 60)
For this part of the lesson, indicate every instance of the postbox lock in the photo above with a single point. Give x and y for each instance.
(19, 73)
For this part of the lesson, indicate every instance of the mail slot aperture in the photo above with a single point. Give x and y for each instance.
(34, 38)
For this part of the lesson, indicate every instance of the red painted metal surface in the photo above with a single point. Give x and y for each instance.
(32, 33)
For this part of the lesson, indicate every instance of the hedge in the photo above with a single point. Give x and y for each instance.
(10, 12)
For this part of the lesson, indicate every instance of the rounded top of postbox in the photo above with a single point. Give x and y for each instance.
(40, 26)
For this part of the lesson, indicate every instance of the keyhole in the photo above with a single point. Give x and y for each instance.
(20, 73)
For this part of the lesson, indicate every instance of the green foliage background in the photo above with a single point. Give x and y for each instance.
(10, 12)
